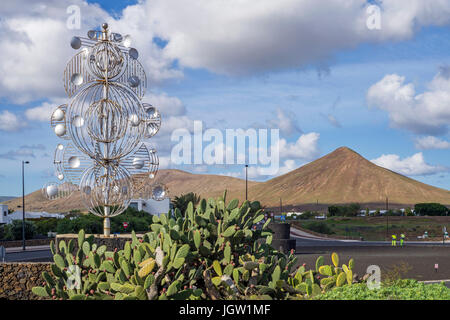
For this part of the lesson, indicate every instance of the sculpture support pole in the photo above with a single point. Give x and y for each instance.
(106, 223)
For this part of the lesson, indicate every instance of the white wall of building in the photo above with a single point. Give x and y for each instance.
(17, 215)
(151, 206)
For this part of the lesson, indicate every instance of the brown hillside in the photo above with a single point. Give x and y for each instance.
(342, 176)
(177, 181)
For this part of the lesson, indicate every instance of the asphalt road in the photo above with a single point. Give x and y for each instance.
(313, 242)
(30, 255)
(414, 260)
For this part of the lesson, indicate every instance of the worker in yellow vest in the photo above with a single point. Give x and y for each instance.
(394, 240)
(402, 239)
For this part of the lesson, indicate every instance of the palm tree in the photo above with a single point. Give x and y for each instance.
(183, 200)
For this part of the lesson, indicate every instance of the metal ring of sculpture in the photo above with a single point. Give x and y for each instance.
(143, 166)
(105, 60)
(55, 190)
(108, 188)
(114, 120)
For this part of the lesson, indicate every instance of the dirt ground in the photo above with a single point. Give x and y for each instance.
(419, 260)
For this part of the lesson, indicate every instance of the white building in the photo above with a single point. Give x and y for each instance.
(294, 214)
(151, 206)
(17, 215)
(3, 213)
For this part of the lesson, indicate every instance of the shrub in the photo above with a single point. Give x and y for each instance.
(213, 252)
(430, 209)
(400, 290)
(137, 221)
(351, 210)
(320, 227)
(5, 232)
(88, 222)
(408, 212)
(15, 229)
(307, 215)
(45, 225)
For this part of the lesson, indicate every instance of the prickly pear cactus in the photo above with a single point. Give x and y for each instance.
(214, 251)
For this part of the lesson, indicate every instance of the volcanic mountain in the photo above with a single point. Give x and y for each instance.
(342, 176)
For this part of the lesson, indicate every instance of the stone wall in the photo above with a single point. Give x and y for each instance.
(18, 278)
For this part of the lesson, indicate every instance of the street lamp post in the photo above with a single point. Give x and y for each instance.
(387, 219)
(246, 182)
(23, 204)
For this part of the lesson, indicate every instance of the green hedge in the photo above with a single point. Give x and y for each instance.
(320, 227)
(430, 209)
(401, 290)
(13, 231)
(137, 221)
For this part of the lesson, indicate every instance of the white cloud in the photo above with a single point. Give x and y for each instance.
(200, 168)
(431, 142)
(233, 37)
(332, 120)
(44, 111)
(137, 22)
(288, 166)
(427, 113)
(242, 37)
(35, 46)
(231, 174)
(304, 148)
(409, 166)
(164, 162)
(18, 154)
(257, 172)
(285, 121)
(10, 122)
(168, 106)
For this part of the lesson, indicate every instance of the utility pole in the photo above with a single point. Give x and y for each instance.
(281, 206)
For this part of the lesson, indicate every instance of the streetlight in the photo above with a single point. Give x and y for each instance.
(387, 219)
(23, 203)
(246, 181)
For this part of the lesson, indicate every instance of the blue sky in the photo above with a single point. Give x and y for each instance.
(320, 84)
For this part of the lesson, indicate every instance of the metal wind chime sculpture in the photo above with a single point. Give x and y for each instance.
(105, 124)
